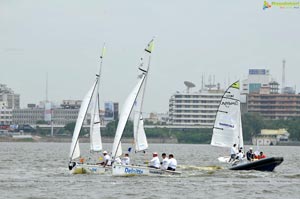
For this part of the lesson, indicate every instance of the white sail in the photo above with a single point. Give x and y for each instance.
(241, 139)
(95, 134)
(228, 128)
(127, 107)
(140, 139)
(81, 115)
(119, 151)
(76, 153)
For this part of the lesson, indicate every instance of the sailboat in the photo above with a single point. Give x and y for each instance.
(90, 102)
(140, 140)
(227, 131)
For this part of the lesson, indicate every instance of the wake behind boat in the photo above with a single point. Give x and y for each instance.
(265, 164)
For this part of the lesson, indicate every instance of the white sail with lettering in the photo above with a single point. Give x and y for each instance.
(228, 127)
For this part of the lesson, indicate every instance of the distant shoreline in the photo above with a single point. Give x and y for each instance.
(58, 139)
(82, 139)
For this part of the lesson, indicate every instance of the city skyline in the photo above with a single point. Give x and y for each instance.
(64, 39)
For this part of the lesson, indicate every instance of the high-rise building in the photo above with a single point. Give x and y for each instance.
(111, 111)
(8, 101)
(5, 115)
(116, 111)
(9, 98)
(194, 109)
(257, 78)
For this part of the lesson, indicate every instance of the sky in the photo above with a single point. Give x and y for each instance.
(192, 38)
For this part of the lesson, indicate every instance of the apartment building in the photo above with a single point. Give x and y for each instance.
(274, 106)
(194, 109)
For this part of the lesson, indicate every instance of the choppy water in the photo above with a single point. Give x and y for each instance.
(39, 170)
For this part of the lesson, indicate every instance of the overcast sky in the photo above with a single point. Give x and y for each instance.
(194, 37)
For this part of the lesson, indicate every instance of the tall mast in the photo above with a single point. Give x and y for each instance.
(148, 50)
(100, 72)
(97, 106)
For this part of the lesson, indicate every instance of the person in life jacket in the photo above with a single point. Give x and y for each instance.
(261, 155)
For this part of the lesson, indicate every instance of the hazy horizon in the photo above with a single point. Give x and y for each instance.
(194, 38)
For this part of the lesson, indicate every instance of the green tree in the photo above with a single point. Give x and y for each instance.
(70, 126)
(41, 122)
(252, 124)
(69, 129)
(110, 129)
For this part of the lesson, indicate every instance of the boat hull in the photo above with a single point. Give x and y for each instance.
(129, 170)
(89, 169)
(266, 164)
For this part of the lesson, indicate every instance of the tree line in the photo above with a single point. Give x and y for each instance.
(252, 124)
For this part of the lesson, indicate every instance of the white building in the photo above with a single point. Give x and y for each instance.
(157, 118)
(27, 115)
(257, 78)
(59, 116)
(271, 137)
(8, 101)
(194, 109)
(5, 114)
(7, 96)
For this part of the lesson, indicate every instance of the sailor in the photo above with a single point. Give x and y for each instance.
(107, 160)
(172, 163)
(261, 155)
(241, 148)
(165, 162)
(240, 155)
(126, 159)
(72, 165)
(250, 154)
(233, 152)
(154, 163)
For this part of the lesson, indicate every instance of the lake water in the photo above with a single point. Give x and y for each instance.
(39, 170)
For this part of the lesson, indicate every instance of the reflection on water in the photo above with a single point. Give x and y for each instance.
(39, 170)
